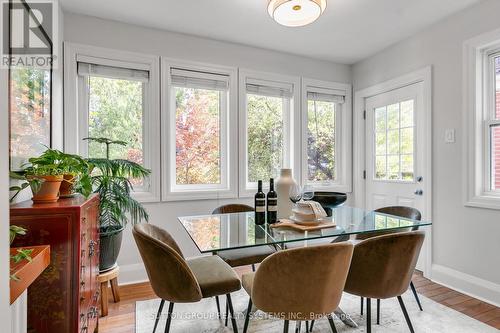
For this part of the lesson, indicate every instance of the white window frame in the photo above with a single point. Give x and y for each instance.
(291, 120)
(229, 121)
(76, 124)
(343, 135)
(478, 117)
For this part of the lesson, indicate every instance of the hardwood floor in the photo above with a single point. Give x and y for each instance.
(121, 317)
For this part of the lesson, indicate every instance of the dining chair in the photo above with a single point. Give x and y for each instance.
(283, 288)
(382, 268)
(405, 212)
(177, 280)
(241, 257)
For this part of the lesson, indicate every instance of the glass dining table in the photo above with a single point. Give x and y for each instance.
(216, 233)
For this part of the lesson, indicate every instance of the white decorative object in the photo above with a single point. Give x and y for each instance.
(283, 184)
(308, 212)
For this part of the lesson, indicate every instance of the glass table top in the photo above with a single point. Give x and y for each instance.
(214, 233)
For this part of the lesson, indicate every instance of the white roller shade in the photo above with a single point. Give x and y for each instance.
(88, 69)
(200, 80)
(269, 88)
(325, 95)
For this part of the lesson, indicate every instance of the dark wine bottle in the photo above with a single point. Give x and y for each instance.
(272, 203)
(260, 205)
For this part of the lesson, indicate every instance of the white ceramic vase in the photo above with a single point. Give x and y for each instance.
(283, 184)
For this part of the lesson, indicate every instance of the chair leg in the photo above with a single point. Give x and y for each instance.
(298, 327)
(307, 326)
(169, 318)
(368, 315)
(362, 302)
(227, 313)
(412, 286)
(285, 326)
(253, 267)
(158, 314)
(312, 325)
(247, 316)
(405, 313)
(332, 324)
(218, 305)
(231, 311)
(378, 311)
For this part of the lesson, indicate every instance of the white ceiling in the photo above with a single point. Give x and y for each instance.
(348, 31)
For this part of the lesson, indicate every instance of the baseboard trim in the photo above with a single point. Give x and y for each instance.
(469, 285)
(132, 274)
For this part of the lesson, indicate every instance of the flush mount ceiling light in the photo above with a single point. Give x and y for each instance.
(296, 13)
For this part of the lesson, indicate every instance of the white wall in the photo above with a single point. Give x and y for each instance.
(4, 204)
(466, 241)
(110, 34)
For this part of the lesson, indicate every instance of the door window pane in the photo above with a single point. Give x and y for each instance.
(197, 136)
(394, 141)
(29, 107)
(321, 140)
(265, 136)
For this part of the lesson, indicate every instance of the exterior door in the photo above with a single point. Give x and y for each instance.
(395, 168)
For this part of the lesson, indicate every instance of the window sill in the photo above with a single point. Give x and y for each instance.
(198, 195)
(488, 201)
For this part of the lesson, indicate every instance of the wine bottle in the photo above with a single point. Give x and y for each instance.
(260, 205)
(272, 203)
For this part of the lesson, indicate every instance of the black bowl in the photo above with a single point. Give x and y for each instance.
(329, 200)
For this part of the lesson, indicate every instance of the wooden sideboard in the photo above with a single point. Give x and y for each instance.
(65, 298)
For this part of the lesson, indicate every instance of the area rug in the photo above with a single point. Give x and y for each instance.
(202, 317)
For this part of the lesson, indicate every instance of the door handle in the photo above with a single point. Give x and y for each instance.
(419, 192)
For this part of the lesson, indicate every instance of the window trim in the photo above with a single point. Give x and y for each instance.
(170, 192)
(291, 155)
(477, 98)
(343, 135)
(73, 122)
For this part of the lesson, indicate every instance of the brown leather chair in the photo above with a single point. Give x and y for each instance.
(241, 257)
(177, 280)
(382, 268)
(405, 212)
(283, 288)
(247, 256)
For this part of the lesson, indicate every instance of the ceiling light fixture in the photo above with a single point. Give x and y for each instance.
(296, 13)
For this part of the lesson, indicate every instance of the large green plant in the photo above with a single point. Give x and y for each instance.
(53, 162)
(111, 179)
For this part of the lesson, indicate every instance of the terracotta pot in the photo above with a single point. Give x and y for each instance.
(49, 190)
(67, 186)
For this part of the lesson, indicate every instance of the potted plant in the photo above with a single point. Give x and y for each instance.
(111, 180)
(44, 181)
(47, 173)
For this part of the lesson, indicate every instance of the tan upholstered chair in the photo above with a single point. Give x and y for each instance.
(247, 256)
(402, 211)
(241, 257)
(283, 287)
(382, 268)
(178, 280)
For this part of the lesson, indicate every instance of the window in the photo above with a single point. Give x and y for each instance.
(394, 137)
(29, 111)
(482, 96)
(494, 122)
(326, 121)
(115, 96)
(267, 124)
(198, 108)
